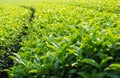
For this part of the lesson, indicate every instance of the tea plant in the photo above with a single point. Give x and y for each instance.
(12, 22)
(70, 39)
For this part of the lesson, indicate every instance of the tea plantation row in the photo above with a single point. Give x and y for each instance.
(61, 39)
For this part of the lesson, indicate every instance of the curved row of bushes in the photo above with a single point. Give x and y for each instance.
(13, 19)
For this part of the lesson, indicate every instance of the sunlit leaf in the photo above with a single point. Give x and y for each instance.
(90, 61)
(104, 61)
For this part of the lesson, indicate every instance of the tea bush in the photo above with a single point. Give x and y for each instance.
(70, 39)
(12, 22)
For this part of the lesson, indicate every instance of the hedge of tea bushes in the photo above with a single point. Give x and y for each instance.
(70, 40)
(13, 19)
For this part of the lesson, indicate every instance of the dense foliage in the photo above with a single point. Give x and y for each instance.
(61, 39)
(11, 29)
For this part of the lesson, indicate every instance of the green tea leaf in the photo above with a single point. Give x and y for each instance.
(33, 71)
(56, 45)
(91, 62)
(56, 64)
(18, 59)
(114, 66)
(105, 61)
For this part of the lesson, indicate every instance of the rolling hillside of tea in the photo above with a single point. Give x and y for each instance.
(60, 39)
